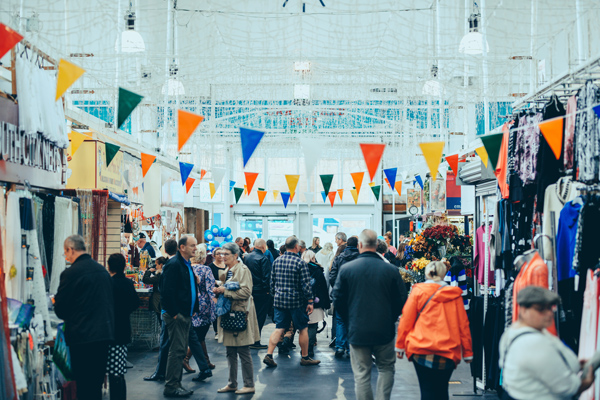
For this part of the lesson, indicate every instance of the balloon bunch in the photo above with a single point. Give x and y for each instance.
(211, 235)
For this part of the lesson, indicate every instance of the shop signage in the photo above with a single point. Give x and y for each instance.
(453, 192)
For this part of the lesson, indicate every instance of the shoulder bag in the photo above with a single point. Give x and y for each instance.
(236, 321)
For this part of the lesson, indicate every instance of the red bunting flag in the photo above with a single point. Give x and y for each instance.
(8, 39)
(250, 180)
(372, 152)
(331, 196)
(188, 184)
(453, 162)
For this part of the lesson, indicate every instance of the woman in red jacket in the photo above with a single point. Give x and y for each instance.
(434, 332)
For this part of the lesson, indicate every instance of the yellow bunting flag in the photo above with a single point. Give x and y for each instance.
(275, 194)
(261, 196)
(68, 73)
(76, 139)
(246, 190)
(292, 181)
(341, 193)
(213, 189)
(483, 155)
(372, 184)
(553, 133)
(432, 151)
(354, 194)
(187, 123)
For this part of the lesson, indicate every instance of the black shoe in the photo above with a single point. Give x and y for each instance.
(258, 346)
(180, 392)
(339, 353)
(155, 377)
(332, 343)
(203, 375)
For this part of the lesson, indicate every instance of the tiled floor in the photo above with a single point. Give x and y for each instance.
(332, 379)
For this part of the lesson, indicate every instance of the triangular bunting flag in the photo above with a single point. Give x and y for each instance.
(147, 161)
(376, 190)
(341, 193)
(185, 169)
(188, 184)
(246, 190)
(261, 196)
(326, 181)
(250, 179)
(324, 196)
(238, 193)
(453, 162)
(553, 133)
(312, 149)
(371, 184)
(483, 155)
(68, 73)
(357, 177)
(212, 188)
(399, 188)
(492, 145)
(275, 194)
(292, 181)
(202, 173)
(292, 197)
(372, 153)
(354, 194)
(111, 152)
(135, 190)
(231, 183)
(76, 139)
(597, 110)
(390, 174)
(432, 151)
(187, 123)
(8, 39)
(331, 196)
(128, 101)
(217, 176)
(285, 196)
(419, 181)
(388, 182)
(250, 139)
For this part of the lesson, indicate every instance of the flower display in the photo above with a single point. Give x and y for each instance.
(440, 234)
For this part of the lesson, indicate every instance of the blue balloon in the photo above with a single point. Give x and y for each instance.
(215, 230)
(226, 231)
(214, 244)
(228, 238)
(208, 236)
(221, 232)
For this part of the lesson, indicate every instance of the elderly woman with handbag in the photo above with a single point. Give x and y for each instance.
(238, 328)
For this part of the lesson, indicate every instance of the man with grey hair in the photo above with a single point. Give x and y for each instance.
(293, 300)
(302, 247)
(260, 268)
(85, 302)
(369, 295)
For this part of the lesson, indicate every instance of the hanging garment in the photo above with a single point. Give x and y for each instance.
(569, 132)
(15, 275)
(589, 325)
(566, 240)
(63, 228)
(502, 164)
(587, 136)
(476, 326)
(587, 251)
(479, 258)
(48, 229)
(527, 147)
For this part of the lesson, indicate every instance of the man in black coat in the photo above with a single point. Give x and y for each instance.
(260, 267)
(179, 300)
(369, 295)
(84, 300)
(341, 331)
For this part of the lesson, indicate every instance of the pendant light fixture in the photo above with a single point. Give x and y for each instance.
(472, 42)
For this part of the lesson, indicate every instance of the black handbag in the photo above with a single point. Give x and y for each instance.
(235, 321)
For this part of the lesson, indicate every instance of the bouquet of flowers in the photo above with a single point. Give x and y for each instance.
(461, 244)
(439, 235)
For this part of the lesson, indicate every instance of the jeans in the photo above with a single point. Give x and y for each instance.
(88, 363)
(179, 332)
(247, 368)
(433, 382)
(385, 359)
(163, 353)
(341, 333)
(262, 303)
(196, 348)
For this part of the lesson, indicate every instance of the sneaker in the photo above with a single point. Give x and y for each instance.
(203, 375)
(339, 353)
(309, 361)
(258, 346)
(269, 361)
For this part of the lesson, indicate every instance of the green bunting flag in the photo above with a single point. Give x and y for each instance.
(376, 190)
(128, 101)
(326, 181)
(238, 193)
(492, 145)
(111, 152)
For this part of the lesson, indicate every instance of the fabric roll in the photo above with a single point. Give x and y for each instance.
(63, 227)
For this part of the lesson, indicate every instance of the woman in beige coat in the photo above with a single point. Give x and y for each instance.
(237, 343)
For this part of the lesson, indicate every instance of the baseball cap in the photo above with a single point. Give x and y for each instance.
(536, 295)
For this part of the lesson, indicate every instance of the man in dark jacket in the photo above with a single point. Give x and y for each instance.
(84, 300)
(260, 267)
(369, 295)
(179, 300)
(341, 332)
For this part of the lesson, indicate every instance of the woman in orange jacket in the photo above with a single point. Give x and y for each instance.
(434, 332)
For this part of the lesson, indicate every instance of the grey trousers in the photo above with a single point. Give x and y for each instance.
(385, 359)
(247, 367)
(179, 331)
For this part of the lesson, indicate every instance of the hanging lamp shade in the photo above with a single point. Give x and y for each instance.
(131, 42)
(472, 44)
(173, 87)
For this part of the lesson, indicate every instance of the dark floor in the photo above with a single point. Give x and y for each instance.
(332, 379)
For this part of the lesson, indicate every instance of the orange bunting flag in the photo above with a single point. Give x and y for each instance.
(372, 153)
(292, 181)
(261, 196)
(202, 173)
(354, 193)
(213, 189)
(331, 196)
(553, 133)
(341, 193)
(453, 162)
(388, 182)
(187, 123)
(246, 190)
(357, 177)
(432, 151)
(135, 190)
(292, 197)
(250, 180)
(188, 184)
(147, 161)
(398, 187)
(483, 155)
